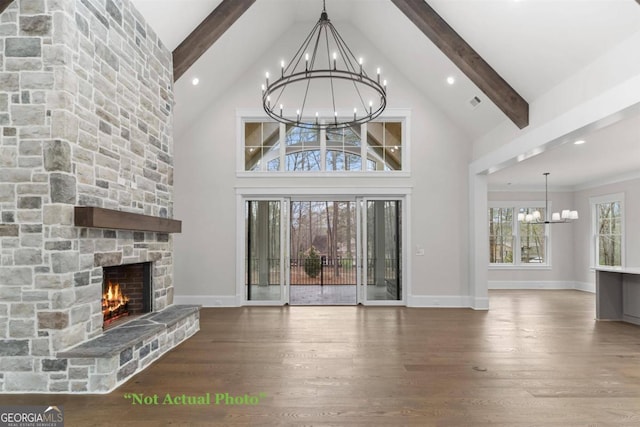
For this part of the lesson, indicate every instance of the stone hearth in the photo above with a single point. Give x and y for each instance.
(86, 100)
(114, 357)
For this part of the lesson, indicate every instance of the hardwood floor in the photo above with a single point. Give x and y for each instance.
(536, 358)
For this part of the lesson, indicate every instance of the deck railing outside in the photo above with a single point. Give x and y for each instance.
(332, 271)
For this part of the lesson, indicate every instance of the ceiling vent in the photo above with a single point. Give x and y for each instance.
(474, 102)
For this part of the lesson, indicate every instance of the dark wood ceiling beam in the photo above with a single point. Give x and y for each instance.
(206, 34)
(467, 59)
(4, 4)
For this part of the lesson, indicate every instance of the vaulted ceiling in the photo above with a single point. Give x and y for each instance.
(533, 45)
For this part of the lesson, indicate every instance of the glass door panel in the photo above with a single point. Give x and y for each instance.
(382, 254)
(264, 269)
(323, 244)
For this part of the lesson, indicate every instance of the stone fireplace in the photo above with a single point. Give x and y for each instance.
(86, 183)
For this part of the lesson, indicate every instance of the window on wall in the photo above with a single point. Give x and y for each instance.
(608, 230)
(513, 243)
(370, 147)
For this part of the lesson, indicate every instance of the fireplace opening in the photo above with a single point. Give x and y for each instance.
(126, 292)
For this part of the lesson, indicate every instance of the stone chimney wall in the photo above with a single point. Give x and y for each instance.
(86, 101)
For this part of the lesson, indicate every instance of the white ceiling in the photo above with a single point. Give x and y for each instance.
(533, 44)
(608, 153)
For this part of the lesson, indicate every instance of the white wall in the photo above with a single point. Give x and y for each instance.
(561, 271)
(583, 272)
(205, 184)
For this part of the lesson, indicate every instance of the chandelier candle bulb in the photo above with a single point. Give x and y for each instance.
(281, 106)
(266, 75)
(335, 57)
(360, 62)
(306, 62)
(378, 73)
(355, 110)
(282, 68)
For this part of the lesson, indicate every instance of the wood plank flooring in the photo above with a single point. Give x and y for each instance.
(537, 358)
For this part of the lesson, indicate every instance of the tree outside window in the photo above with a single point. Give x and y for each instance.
(501, 235)
(609, 233)
(532, 239)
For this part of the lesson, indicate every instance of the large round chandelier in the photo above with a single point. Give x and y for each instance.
(324, 85)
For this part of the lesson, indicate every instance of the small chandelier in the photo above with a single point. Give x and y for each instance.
(556, 218)
(324, 74)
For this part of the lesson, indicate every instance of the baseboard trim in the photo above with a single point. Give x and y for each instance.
(542, 284)
(441, 301)
(585, 287)
(207, 300)
(480, 303)
(426, 301)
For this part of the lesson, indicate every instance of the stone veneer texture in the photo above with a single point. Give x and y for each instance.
(86, 99)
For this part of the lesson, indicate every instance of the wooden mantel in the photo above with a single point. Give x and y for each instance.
(89, 216)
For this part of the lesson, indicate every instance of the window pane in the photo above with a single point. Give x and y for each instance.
(261, 144)
(532, 238)
(384, 145)
(354, 162)
(274, 165)
(501, 235)
(609, 233)
(532, 244)
(343, 149)
(335, 161)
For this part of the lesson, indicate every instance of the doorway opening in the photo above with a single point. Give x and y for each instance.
(323, 265)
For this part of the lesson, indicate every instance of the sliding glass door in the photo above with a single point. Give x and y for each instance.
(327, 251)
(381, 255)
(266, 249)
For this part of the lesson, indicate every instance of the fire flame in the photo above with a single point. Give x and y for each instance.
(113, 299)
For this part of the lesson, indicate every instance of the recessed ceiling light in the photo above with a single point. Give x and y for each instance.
(195, 81)
(579, 142)
(451, 80)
